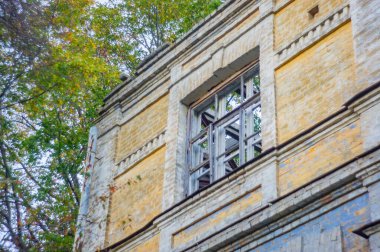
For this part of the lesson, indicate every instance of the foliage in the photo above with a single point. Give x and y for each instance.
(149, 23)
(58, 59)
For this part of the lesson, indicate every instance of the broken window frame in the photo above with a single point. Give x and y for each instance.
(204, 170)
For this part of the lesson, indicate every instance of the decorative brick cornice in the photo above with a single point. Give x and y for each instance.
(142, 152)
(312, 35)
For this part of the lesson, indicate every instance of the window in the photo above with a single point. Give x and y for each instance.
(225, 130)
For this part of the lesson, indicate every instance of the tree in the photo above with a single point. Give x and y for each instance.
(149, 23)
(58, 59)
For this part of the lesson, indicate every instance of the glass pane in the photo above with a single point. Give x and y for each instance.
(252, 82)
(200, 150)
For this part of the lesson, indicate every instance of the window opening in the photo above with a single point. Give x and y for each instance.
(225, 130)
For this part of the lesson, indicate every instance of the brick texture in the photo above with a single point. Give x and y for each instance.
(294, 18)
(142, 128)
(224, 215)
(320, 157)
(314, 85)
(136, 197)
(149, 245)
(331, 58)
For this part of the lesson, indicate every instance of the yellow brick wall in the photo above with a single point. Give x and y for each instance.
(136, 197)
(151, 245)
(249, 201)
(292, 20)
(308, 89)
(320, 157)
(143, 127)
(315, 84)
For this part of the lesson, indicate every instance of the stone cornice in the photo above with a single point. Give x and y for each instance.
(369, 229)
(312, 35)
(139, 154)
(299, 206)
(297, 214)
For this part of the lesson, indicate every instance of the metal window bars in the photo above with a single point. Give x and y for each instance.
(225, 130)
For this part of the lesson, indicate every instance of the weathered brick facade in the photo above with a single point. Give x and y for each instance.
(316, 184)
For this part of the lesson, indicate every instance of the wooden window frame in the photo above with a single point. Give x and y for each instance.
(210, 164)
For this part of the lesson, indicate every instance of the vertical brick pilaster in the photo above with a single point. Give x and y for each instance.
(374, 242)
(371, 179)
(175, 173)
(365, 16)
(373, 184)
(100, 194)
(370, 127)
(94, 230)
(85, 197)
(267, 76)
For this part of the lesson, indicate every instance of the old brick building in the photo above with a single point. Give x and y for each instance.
(259, 130)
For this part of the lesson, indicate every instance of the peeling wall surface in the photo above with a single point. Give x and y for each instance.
(316, 184)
